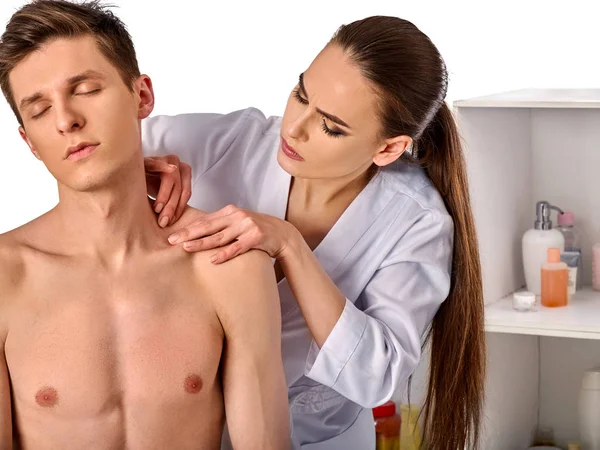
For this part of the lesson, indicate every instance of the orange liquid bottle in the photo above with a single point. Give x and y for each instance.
(554, 280)
(387, 427)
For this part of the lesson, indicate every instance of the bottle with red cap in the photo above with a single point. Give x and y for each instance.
(387, 426)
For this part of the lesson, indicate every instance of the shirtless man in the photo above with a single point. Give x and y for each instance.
(110, 338)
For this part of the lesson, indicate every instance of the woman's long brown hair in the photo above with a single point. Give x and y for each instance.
(410, 77)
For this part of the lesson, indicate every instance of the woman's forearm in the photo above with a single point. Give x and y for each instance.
(320, 301)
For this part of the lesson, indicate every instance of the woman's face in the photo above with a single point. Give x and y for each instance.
(330, 127)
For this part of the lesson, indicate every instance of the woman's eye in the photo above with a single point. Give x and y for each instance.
(331, 132)
(299, 97)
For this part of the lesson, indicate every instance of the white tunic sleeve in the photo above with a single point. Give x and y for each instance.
(376, 344)
(200, 140)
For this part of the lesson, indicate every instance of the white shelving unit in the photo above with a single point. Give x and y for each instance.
(521, 147)
(580, 319)
(536, 98)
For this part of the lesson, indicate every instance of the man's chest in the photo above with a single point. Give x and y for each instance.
(89, 345)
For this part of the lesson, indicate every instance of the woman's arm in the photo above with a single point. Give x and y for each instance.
(367, 354)
(198, 139)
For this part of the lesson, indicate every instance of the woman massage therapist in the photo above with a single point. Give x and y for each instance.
(359, 192)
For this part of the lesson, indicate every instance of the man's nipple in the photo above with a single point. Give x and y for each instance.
(193, 383)
(46, 397)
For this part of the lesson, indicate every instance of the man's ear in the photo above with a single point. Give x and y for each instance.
(145, 92)
(392, 149)
(28, 142)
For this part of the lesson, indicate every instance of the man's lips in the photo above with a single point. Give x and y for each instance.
(81, 151)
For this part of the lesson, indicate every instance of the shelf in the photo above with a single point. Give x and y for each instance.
(580, 319)
(536, 98)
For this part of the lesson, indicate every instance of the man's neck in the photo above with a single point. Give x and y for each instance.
(113, 223)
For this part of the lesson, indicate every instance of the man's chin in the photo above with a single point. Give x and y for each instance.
(91, 182)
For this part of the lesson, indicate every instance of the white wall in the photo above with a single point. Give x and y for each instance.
(222, 56)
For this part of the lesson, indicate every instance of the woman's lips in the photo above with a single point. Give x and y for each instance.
(289, 151)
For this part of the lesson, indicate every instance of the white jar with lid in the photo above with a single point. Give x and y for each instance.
(589, 410)
(523, 301)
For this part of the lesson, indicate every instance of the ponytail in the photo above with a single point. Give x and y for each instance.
(410, 78)
(454, 401)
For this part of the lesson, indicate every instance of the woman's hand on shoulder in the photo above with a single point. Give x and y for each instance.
(169, 181)
(233, 231)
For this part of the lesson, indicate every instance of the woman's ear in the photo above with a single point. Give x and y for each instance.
(392, 150)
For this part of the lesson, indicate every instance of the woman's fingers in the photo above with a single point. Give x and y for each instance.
(167, 213)
(164, 193)
(156, 164)
(219, 214)
(232, 229)
(154, 170)
(231, 251)
(215, 240)
(175, 187)
(186, 189)
(206, 226)
(168, 175)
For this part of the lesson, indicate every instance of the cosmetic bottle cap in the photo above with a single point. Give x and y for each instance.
(554, 255)
(566, 219)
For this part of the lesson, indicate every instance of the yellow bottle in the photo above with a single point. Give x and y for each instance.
(410, 435)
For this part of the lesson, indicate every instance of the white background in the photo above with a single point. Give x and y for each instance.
(225, 55)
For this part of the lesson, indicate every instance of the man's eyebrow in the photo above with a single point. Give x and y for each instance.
(83, 76)
(88, 74)
(29, 100)
(329, 116)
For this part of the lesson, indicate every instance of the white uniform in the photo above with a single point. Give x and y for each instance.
(389, 254)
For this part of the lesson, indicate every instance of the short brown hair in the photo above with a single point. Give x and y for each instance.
(40, 21)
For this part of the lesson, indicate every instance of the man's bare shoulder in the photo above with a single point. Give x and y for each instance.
(31, 235)
(12, 246)
(15, 245)
(240, 283)
(12, 272)
(245, 267)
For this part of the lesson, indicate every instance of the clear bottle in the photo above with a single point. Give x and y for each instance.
(555, 280)
(387, 427)
(566, 225)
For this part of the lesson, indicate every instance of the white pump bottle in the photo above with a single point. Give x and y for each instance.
(536, 242)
